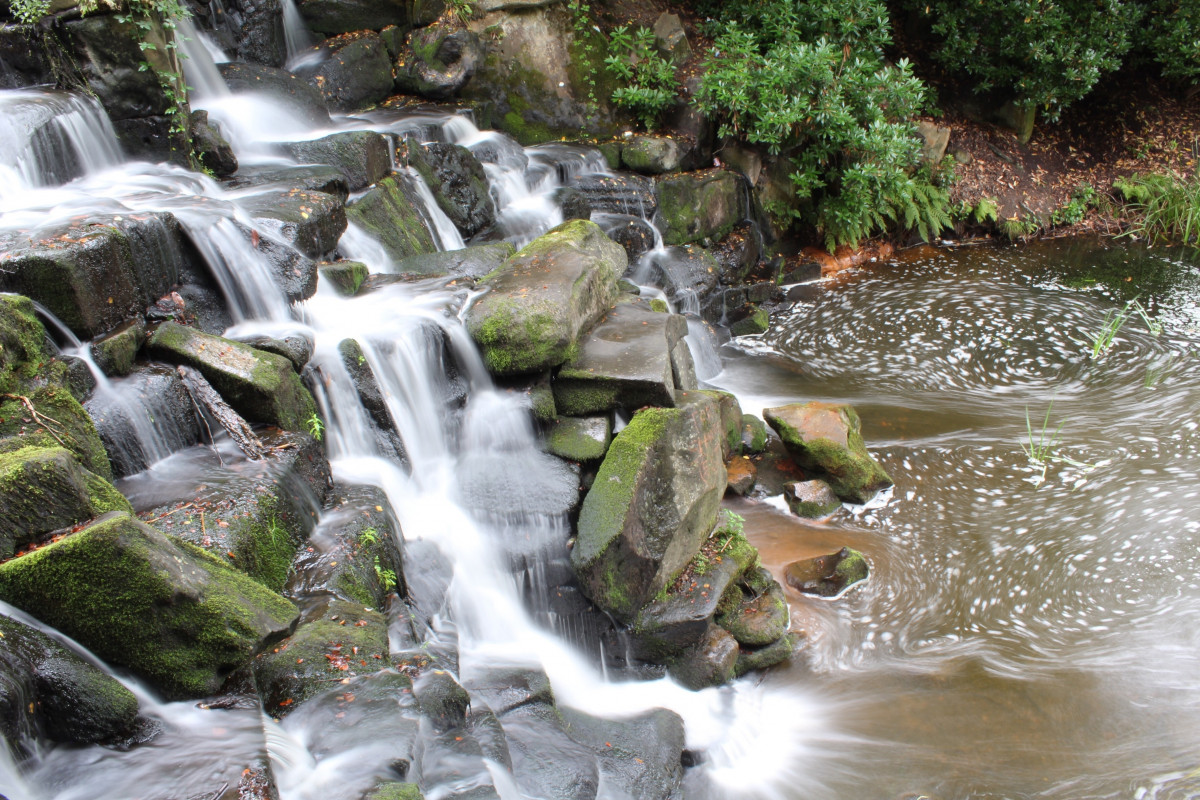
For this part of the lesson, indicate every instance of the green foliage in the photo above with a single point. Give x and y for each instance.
(1074, 210)
(647, 83)
(1170, 36)
(315, 426)
(586, 43)
(1045, 55)
(1016, 228)
(28, 12)
(463, 9)
(1163, 207)
(834, 108)
(986, 210)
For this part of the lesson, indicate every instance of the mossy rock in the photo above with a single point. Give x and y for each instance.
(652, 504)
(811, 499)
(750, 659)
(731, 420)
(166, 610)
(346, 640)
(754, 435)
(395, 790)
(470, 262)
(23, 351)
(579, 438)
(757, 612)
(827, 439)
(711, 662)
(389, 211)
(757, 322)
(696, 206)
(355, 72)
(62, 422)
(542, 299)
(363, 157)
(442, 700)
(652, 155)
(458, 182)
(115, 353)
(43, 489)
(260, 386)
(828, 576)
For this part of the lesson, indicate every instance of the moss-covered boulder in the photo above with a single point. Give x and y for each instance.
(470, 262)
(395, 790)
(260, 386)
(579, 438)
(257, 520)
(437, 61)
(827, 439)
(114, 353)
(811, 499)
(754, 435)
(710, 662)
(389, 212)
(23, 351)
(652, 155)
(43, 489)
(828, 576)
(346, 277)
(355, 72)
(755, 610)
(731, 421)
(700, 205)
(623, 362)
(458, 182)
(756, 320)
(363, 157)
(59, 421)
(169, 612)
(48, 691)
(540, 301)
(344, 641)
(652, 505)
(752, 658)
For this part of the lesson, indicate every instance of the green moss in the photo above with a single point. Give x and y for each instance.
(396, 791)
(763, 657)
(526, 132)
(587, 395)
(104, 497)
(754, 435)
(541, 399)
(22, 343)
(346, 276)
(71, 425)
(264, 544)
(573, 439)
(758, 322)
(659, 305)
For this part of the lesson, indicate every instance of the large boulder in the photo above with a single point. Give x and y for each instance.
(700, 205)
(542, 299)
(260, 386)
(355, 71)
(458, 182)
(167, 611)
(48, 690)
(280, 86)
(652, 155)
(470, 262)
(56, 420)
(624, 362)
(826, 439)
(437, 61)
(639, 756)
(389, 212)
(43, 489)
(311, 222)
(652, 505)
(364, 157)
(617, 194)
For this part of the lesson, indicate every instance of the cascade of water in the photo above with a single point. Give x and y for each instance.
(445, 234)
(50, 137)
(199, 66)
(296, 36)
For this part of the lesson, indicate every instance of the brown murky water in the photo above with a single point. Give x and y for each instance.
(1023, 633)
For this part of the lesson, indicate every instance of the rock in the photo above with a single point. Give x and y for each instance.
(329, 648)
(762, 657)
(213, 149)
(624, 362)
(442, 700)
(827, 576)
(281, 87)
(700, 205)
(259, 35)
(329, 180)
(742, 476)
(683, 368)
(670, 38)
(712, 662)
(167, 611)
(935, 141)
(355, 72)
(618, 194)
(365, 383)
(633, 233)
(543, 298)
(731, 421)
(260, 386)
(755, 611)
(758, 321)
(114, 353)
(653, 503)
(334, 17)
(812, 499)
(44, 489)
(48, 690)
(355, 551)
(738, 254)
(580, 438)
(470, 262)
(458, 183)
(75, 430)
(345, 276)
(506, 688)
(545, 761)
(574, 205)
(687, 274)
(363, 157)
(389, 212)
(754, 435)
(297, 348)
(437, 61)
(827, 439)
(652, 155)
(639, 756)
(395, 790)
(311, 222)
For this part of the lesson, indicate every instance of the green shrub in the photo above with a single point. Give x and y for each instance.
(28, 11)
(647, 83)
(1170, 35)
(842, 117)
(1074, 210)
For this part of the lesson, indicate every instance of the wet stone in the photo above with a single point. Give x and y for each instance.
(827, 576)
(580, 438)
(811, 499)
(742, 476)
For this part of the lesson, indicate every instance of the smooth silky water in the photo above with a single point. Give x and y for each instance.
(1021, 635)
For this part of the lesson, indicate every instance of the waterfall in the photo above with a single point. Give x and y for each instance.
(199, 65)
(296, 36)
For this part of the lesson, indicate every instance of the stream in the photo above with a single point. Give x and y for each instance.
(1028, 630)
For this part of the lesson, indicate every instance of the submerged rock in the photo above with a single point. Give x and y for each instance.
(458, 182)
(639, 756)
(312, 222)
(652, 505)
(169, 612)
(618, 194)
(543, 298)
(827, 439)
(311, 178)
(470, 262)
(281, 87)
(829, 575)
(389, 212)
(261, 386)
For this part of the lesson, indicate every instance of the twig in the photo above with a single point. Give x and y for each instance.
(169, 513)
(40, 418)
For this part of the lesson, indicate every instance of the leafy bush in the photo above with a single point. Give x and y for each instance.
(647, 83)
(1074, 210)
(832, 107)
(1170, 36)
(1046, 55)
(28, 11)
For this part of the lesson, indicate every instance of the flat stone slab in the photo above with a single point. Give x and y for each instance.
(624, 362)
(580, 438)
(363, 157)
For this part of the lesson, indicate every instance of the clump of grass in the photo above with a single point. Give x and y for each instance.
(1042, 447)
(1163, 207)
(1114, 320)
